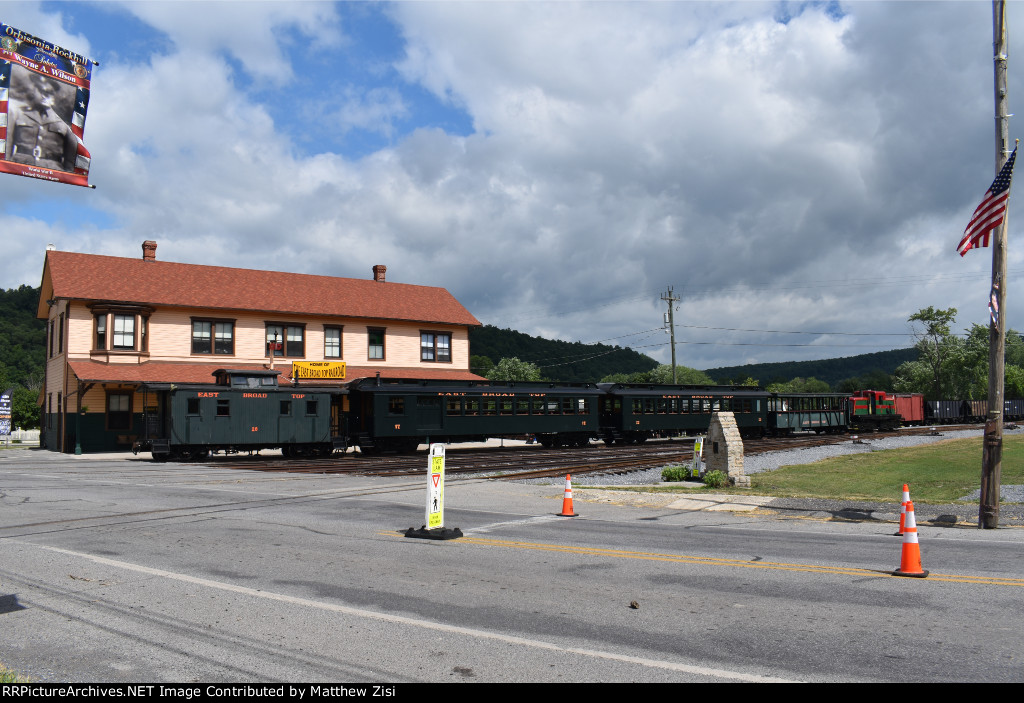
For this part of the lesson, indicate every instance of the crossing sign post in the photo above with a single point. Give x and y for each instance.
(433, 526)
(435, 489)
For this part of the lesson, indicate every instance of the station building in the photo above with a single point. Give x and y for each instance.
(115, 324)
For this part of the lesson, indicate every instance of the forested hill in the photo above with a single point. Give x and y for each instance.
(22, 338)
(561, 361)
(831, 371)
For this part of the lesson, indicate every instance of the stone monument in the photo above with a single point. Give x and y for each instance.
(723, 450)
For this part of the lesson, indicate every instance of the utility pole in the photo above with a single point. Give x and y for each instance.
(669, 298)
(991, 455)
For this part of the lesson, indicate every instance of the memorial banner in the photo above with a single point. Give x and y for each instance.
(44, 95)
(5, 412)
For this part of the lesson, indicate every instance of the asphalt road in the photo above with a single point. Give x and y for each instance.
(121, 570)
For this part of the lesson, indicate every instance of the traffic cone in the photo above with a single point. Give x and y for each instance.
(567, 500)
(903, 510)
(910, 559)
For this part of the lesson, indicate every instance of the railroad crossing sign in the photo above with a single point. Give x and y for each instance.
(435, 487)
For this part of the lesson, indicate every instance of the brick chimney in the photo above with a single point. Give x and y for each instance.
(149, 250)
(378, 272)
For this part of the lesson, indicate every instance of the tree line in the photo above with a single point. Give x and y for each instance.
(22, 353)
(951, 366)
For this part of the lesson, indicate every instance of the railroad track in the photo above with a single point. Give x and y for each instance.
(521, 462)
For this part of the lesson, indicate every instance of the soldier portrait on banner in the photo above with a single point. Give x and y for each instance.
(44, 96)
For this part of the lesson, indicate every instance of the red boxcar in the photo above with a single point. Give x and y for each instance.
(910, 406)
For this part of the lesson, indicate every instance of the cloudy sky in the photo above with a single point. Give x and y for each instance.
(786, 167)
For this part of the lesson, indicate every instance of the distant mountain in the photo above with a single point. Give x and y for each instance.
(562, 361)
(831, 371)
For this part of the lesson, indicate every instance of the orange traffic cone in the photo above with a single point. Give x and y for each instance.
(910, 560)
(567, 500)
(903, 510)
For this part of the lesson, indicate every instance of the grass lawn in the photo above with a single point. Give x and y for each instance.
(943, 472)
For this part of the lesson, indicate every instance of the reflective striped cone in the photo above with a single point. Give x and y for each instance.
(910, 559)
(567, 500)
(903, 510)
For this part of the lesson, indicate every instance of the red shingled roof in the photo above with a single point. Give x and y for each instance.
(163, 283)
(171, 372)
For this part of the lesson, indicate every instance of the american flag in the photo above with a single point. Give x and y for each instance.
(990, 212)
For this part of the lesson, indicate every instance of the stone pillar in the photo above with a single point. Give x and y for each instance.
(723, 450)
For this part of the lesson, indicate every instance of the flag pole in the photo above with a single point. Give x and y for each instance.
(991, 455)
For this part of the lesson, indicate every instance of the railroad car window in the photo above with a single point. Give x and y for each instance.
(638, 406)
(583, 406)
(192, 406)
(472, 406)
(124, 331)
(522, 406)
(332, 342)
(506, 407)
(375, 343)
(538, 406)
(490, 407)
(662, 406)
(286, 407)
(726, 405)
(396, 405)
(223, 407)
(551, 406)
(567, 406)
(311, 407)
(453, 406)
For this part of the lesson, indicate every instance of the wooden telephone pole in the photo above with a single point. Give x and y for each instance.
(991, 455)
(670, 320)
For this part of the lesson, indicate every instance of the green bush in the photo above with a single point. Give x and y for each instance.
(716, 479)
(673, 473)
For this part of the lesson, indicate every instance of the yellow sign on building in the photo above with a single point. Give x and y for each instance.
(319, 369)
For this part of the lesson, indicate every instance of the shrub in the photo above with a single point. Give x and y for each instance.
(716, 479)
(673, 473)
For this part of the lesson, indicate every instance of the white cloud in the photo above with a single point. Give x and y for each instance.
(779, 175)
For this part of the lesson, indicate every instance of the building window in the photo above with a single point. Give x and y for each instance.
(332, 342)
(436, 346)
(119, 411)
(50, 355)
(60, 335)
(124, 332)
(375, 343)
(101, 331)
(286, 340)
(213, 337)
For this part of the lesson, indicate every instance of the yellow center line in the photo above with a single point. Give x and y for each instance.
(722, 561)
